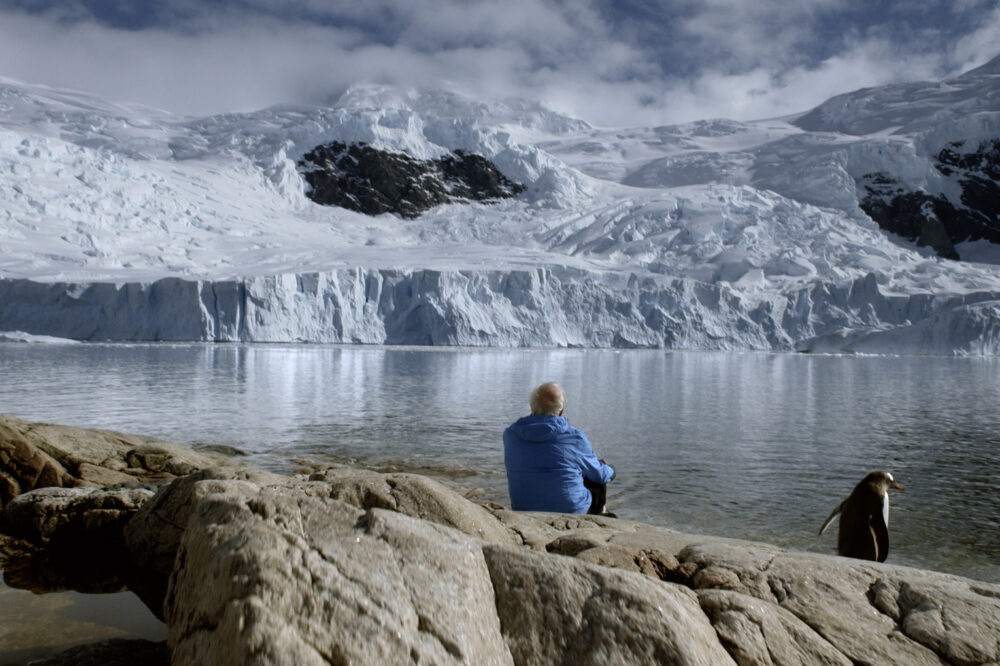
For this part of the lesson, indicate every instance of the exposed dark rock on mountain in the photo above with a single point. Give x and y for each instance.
(372, 181)
(916, 216)
(979, 175)
(935, 221)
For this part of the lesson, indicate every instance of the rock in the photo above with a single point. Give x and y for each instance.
(37, 455)
(112, 652)
(916, 216)
(538, 530)
(613, 542)
(223, 449)
(870, 612)
(979, 178)
(11, 547)
(24, 467)
(70, 539)
(650, 561)
(934, 220)
(284, 576)
(865, 612)
(95, 475)
(833, 600)
(415, 496)
(372, 181)
(53, 496)
(74, 518)
(947, 616)
(354, 566)
(759, 632)
(560, 610)
(153, 534)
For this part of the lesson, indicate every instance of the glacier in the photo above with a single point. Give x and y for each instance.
(124, 223)
(540, 307)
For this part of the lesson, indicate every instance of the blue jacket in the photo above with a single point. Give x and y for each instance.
(547, 460)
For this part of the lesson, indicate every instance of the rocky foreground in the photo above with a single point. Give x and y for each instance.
(353, 566)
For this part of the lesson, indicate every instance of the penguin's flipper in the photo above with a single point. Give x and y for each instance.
(880, 533)
(833, 515)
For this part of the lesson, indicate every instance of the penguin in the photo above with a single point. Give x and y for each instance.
(864, 518)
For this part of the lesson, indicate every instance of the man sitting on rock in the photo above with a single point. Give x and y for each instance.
(551, 466)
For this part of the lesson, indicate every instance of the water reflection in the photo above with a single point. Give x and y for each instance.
(759, 446)
(37, 626)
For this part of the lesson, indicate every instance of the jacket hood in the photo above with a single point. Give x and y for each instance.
(539, 427)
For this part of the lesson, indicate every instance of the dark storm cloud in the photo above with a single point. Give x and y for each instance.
(612, 61)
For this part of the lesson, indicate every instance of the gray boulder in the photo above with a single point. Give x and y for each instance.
(330, 571)
(286, 576)
(416, 496)
(73, 518)
(561, 610)
(24, 467)
(769, 605)
(40, 455)
(757, 632)
(870, 612)
(153, 534)
(69, 538)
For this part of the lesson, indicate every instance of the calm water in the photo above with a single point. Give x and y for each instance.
(37, 626)
(757, 446)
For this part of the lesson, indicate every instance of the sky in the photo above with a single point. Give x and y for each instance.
(610, 62)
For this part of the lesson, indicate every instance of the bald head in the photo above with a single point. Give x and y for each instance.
(549, 398)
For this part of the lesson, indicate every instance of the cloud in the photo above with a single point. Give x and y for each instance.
(744, 36)
(610, 62)
(249, 63)
(980, 45)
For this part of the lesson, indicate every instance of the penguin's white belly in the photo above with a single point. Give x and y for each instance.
(885, 509)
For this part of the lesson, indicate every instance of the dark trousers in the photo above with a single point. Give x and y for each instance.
(598, 495)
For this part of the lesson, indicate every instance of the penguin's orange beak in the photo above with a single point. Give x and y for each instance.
(896, 486)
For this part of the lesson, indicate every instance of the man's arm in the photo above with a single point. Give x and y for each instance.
(594, 469)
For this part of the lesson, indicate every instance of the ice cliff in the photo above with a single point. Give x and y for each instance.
(124, 223)
(536, 307)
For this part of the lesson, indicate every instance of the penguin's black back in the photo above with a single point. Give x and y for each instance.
(863, 533)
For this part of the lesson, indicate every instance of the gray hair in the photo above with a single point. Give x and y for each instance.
(548, 398)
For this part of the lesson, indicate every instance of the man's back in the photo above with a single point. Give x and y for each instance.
(547, 460)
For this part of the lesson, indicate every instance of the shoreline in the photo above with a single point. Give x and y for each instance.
(359, 534)
(856, 414)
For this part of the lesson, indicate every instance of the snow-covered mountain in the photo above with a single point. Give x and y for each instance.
(827, 231)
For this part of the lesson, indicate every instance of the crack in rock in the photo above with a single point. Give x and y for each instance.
(426, 626)
(955, 637)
